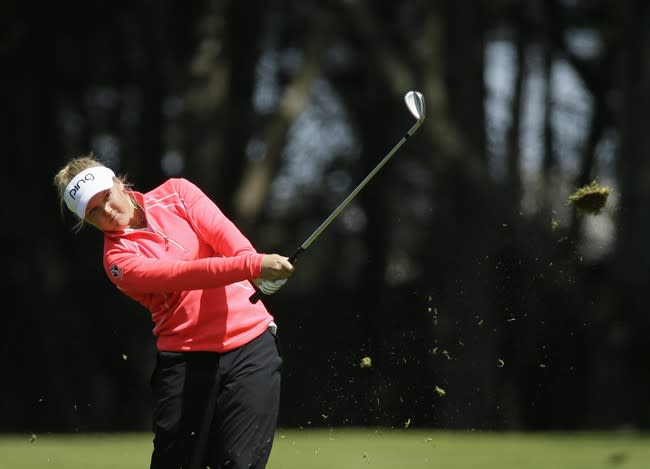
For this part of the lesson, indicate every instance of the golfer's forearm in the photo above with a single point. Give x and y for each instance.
(159, 276)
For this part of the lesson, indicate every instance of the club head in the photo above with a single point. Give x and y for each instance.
(415, 102)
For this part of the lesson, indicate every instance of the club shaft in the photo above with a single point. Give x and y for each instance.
(337, 211)
(342, 206)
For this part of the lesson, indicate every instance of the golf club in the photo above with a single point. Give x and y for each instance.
(415, 104)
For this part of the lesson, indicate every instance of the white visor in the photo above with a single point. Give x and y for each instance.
(85, 185)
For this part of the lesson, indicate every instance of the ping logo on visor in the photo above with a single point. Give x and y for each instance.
(85, 185)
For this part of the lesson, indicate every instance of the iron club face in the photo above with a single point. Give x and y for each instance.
(415, 103)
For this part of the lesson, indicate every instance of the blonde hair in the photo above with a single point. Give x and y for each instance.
(66, 174)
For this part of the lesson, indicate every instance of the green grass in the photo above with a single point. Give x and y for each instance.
(355, 448)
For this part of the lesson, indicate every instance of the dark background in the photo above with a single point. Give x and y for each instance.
(460, 266)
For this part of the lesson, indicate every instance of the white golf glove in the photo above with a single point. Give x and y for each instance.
(269, 287)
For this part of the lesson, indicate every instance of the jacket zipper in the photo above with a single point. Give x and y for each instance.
(167, 239)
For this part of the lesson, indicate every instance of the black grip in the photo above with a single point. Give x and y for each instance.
(255, 297)
(295, 255)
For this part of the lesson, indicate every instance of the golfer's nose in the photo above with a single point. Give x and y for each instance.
(108, 211)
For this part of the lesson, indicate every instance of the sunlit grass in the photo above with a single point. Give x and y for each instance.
(75, 451)
(354, 448)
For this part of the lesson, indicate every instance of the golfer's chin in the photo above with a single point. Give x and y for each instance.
(116, 224)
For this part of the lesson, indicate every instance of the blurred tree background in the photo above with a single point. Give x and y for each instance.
(459, 268)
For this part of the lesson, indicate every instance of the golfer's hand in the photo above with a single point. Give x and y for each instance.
(276, 270)
(269, 287)
(275, 267)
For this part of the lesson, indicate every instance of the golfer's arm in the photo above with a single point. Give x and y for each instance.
(135, 273)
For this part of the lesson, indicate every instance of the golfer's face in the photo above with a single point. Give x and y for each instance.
(110, 210)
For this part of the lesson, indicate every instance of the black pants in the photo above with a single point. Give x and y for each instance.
(216, 410)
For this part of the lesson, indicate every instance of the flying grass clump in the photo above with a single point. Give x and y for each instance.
(590, 199)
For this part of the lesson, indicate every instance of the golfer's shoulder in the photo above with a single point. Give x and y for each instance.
(172, 186)
(174, 192)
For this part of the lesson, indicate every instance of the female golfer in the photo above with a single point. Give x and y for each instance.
(216, 384)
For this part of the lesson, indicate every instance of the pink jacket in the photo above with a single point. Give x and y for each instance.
(191, 269)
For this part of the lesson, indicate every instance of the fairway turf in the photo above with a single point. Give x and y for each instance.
(346, 448)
